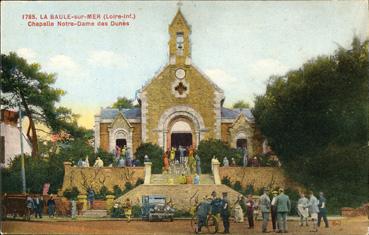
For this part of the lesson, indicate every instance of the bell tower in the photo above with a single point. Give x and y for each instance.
(179, 42)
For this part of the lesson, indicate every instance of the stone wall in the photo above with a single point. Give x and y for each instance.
(180, 194)
(225, 131)
(136, 136)
(257, 176)
(82, 178)
(104, 136)
(160, 98)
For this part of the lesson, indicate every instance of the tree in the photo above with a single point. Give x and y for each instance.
(25, 83)
(209, 148)
(155, 154)
(241, 105)
(315, 119)
(123, 103)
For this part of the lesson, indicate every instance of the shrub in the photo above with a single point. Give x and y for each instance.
(209, 148)
(226, 181)
(103, 192)
(237, 186)
(139, 181)
(117, 191)
(127, 187)
(249, 189)
(154, 152)
(106, 157)
(136, 211)
(71, 193)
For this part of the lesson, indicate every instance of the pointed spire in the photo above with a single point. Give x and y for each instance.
(179, 43)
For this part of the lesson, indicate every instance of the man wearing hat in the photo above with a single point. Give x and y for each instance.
(265, 209)
(283, 207)
(274, 210)
(225, 212)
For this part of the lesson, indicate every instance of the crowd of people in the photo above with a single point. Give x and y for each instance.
(276, 208)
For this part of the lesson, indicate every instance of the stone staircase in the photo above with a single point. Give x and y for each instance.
(95, 213)
(165, 179)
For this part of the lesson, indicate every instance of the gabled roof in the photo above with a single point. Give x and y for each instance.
(111, 113)
(235, 113)
(120, 115)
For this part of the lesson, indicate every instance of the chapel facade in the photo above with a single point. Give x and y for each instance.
(179, 106)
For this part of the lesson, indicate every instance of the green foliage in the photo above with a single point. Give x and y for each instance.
(316, 120)
(71, 194)
(106, 157)
(182, 214)
(294, 197)
(117, 191)
(103, 192)
(116, 212)
(139, 181)
(123, 103)
(249, 189)
(226, 181)
(127, 187)
(136, 211)
(241, 105)
(36, 90)
(237, 186)
(154, 152)
(209, 148)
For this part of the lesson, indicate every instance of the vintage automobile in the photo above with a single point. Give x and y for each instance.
(156, 207)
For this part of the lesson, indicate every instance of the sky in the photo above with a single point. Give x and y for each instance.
(238, 44)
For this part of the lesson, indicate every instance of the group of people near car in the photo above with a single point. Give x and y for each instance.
(277, 208)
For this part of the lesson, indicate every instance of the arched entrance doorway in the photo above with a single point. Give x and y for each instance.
(181, 133)
(175, 114)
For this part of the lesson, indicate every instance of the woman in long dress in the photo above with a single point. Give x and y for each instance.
(238, 212)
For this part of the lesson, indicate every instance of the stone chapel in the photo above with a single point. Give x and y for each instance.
(179, 106)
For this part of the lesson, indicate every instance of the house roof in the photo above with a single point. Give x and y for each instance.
(110, 113)
(234, 113)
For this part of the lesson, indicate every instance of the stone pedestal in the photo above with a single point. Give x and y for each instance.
(147, 172)
(82, 198)
(217, 180)
(109, 201)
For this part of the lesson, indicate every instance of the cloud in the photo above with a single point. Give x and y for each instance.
(63, 64)
(220, 77)
(27, 53)
(107, 59)
(262, 69)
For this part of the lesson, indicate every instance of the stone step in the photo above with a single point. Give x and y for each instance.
(95, 213)
(163, 179)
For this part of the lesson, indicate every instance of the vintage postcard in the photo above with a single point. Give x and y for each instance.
(184, 117)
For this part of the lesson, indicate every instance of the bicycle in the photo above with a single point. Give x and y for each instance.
(211, 223)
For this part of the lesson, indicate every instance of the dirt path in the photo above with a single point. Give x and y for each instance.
(352, 226)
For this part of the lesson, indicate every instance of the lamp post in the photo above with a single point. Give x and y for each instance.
(23, 172)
